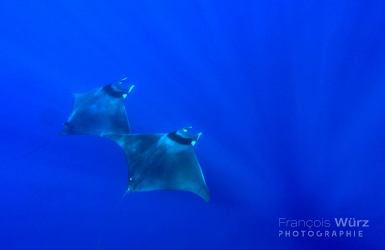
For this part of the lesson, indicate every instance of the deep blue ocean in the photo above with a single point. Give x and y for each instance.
(289, 95)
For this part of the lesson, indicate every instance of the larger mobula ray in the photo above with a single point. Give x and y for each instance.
(162, 162)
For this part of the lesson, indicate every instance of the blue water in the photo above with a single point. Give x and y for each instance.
(289, 96)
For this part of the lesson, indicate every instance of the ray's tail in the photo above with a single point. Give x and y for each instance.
(30, 153)
(109, 218)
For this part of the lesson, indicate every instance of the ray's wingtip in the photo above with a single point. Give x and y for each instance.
(73, 93)
(206, 198)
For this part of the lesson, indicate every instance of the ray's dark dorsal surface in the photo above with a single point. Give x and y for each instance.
(162, 162)
(99, 111)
